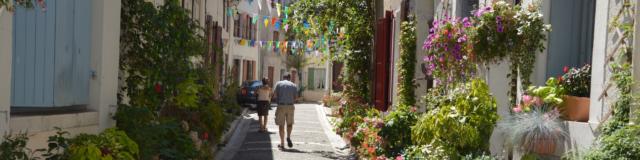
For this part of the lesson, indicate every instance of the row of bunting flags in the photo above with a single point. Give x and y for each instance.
(274, 21)
(281, 21)
(309, 45)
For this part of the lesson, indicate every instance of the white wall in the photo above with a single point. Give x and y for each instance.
(6, 36)
(424, 15)
(105, 55)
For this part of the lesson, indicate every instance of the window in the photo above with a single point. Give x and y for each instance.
(51, 61)
(571, 42)
(316, 79)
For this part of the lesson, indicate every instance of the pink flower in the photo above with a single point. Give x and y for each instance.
(517, 109)
(399, 157)
(537, 100)
(565, 69)
(526, 98)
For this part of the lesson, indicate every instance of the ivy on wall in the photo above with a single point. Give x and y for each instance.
(407, 63)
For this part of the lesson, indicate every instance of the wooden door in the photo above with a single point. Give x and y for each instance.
(270, 73)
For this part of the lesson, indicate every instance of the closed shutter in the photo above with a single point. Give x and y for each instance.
(51, 55)
(311, 78)
(382, 62)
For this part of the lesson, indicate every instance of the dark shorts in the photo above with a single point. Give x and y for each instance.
(263, 108)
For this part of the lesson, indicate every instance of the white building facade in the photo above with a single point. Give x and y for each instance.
(579, 36)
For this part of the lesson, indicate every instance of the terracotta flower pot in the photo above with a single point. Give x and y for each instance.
(576, 108)
(544, 146)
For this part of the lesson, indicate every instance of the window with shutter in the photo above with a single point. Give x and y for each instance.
(51, 55)
(382, 62)
(311, 79)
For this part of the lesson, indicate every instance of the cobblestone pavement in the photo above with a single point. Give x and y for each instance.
(312, 138)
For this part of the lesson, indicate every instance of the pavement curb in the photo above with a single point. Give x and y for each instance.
(237, 126)
(336, 140)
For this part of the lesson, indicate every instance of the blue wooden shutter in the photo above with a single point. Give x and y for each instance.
(51, 55)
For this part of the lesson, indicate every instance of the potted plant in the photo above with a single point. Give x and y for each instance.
(534, 125)
(577, 84)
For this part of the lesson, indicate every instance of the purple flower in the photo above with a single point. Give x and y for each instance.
(499, 24)
(462, 39)
(480, 12)
(465, 22)
(428, 58)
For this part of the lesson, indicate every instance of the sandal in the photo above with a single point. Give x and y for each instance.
(289, 143)
(281, 147)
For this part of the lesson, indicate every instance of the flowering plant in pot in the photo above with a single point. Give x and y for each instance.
(577, 84)
(449, 57)
(534, 125)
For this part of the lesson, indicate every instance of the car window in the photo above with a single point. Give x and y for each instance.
(256, 84)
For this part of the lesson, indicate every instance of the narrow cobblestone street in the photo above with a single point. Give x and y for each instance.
(310, 138)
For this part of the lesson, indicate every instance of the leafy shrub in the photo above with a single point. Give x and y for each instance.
(110, 144)
(577, 81)
(366, 140)
(165, 139)
(428, 152)
(407, 63)
(350, 114)
(14, 147)
(621, 144)
(396, 131)
(461, 120)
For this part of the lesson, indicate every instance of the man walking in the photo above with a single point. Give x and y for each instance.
(286, 92)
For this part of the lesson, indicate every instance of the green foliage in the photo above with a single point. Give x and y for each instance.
(349, 22)
(161, 55)
(407, 63)
(620, 109)
(428, 152)
(58, 146)
(11, 5)
(506, 31)
(13, 147)
(550, 94)
(623, 143)
(110, 144)
(166, 139)
(577, 81)
(469, 110)
(396, 131)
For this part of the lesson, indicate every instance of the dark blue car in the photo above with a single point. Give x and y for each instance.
(248, 93)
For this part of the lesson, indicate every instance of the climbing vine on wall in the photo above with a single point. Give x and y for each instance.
(617, 139)
(407, 63)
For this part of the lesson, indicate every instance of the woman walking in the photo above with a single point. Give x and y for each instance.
(264, 103)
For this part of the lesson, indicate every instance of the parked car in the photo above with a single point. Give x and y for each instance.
(248, 93)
